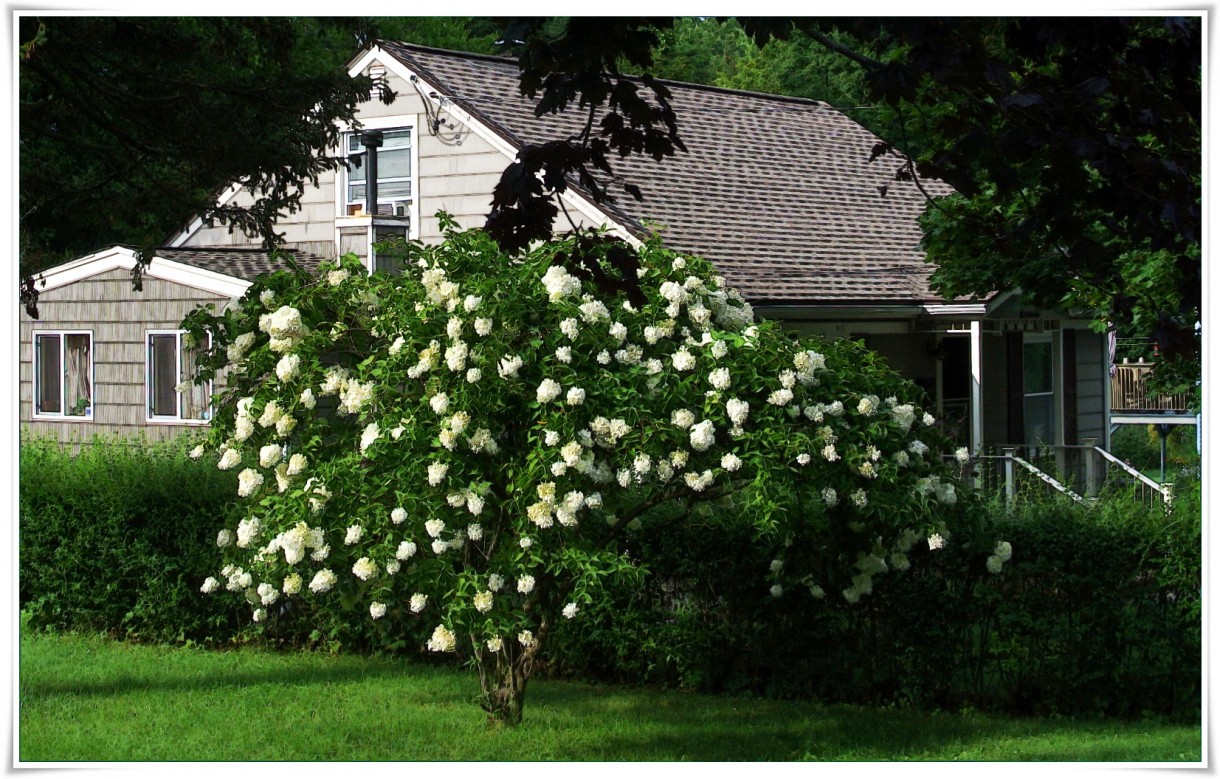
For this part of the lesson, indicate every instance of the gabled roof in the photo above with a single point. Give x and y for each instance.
(777, 192)
(222, 271)
(243, 263)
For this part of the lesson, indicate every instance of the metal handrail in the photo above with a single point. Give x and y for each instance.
(1133, 472)
(1046, 478)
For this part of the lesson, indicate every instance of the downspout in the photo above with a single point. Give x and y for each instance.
(371, 140)
(976, 386)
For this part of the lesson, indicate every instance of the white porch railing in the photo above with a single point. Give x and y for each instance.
(1086, 465)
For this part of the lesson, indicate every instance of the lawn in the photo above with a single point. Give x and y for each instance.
(90, 699)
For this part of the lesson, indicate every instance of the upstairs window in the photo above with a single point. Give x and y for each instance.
(394, 189)
(63, 375)
(171, 365)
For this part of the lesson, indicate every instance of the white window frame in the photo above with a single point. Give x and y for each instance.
(176, 419)
(385, 124)
(61, 415)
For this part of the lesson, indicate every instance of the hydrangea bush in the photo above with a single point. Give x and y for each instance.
(461, 444)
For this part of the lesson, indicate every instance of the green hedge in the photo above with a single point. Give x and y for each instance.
(1097, 613)
(119, 538)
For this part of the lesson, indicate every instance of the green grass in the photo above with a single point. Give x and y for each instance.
(93, 700)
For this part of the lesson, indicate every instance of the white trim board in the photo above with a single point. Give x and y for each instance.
(120, 257)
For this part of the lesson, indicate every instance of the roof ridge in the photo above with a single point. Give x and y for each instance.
(509, 60)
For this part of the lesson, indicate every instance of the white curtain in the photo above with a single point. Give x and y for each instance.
(195, 397)
(79, 395)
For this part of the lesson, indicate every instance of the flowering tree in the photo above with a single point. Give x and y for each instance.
(461, 444)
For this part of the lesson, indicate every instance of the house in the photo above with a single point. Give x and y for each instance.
(779, 193)
(103, 359)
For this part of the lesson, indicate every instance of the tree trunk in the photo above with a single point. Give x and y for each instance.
(502, 679)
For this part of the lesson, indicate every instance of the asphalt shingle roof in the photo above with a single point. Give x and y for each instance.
(246, 264)
(777, 192)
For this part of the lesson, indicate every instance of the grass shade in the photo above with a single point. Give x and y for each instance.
(95, 700)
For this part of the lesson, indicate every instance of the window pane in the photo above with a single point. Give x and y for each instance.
(195, 398)
(78, 382)
(50, 372)
(393, 190)
(1037, 367)
(393, 139)
(393, 164)
(1040, 419)
(163, 375)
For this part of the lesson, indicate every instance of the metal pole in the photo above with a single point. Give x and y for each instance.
(1010, 486)
(1090, 468)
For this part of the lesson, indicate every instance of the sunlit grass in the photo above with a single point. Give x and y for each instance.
(95, 700)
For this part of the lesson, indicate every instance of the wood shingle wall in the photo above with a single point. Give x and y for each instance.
(119, 319)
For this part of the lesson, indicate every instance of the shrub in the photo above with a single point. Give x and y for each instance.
(117, 538)
(1098, 612)
(463, 443)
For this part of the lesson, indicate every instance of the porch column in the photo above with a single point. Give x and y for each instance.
(976, 386)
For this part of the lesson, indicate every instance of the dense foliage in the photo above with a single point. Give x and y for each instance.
(110, 544)
(1098, 613)
(111, 541)
(461, 443)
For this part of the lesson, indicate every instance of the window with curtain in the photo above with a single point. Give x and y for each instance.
(171, 365)
(63, 375)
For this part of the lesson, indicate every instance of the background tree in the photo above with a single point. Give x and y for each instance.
(130, 126)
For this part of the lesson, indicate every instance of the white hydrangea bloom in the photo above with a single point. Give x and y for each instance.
(683, 360)
(548, 390)
(371, 433)
(405, 550)
(434, 527)
(559, 283)
(377, 609)
(354, 534)
(398, 515)
(436, 473)
(1003, 550)
(738, 410)
(307, 399)
(702, 436)
(525, 584)
(229, 459)
(323, 580)
(780, 397)
(569, 611)
(365, 569)
(267, 594)
(288, 368)
(509, 366)
(296, 464)
(483, 602)
(525, 638)
(682, 418)
(248, 481)
(962, 455)
(270, 455)
(564, 354)
(443, 640)
(730, 462)
(210, 585)
(292, 584)
(473, 375)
